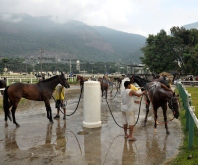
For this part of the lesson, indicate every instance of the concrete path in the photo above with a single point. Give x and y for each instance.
(67, 142)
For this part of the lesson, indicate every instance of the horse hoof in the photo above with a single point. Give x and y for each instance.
(6, 125)
(51, 121)
(17, 125)
(167, 132)
(155, 130)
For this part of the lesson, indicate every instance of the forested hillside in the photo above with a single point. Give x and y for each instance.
(22, 35)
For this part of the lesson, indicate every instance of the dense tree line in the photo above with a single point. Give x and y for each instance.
(22, 65)
(177, 52)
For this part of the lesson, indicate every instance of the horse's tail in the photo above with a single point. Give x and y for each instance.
(6, 103)
(166, 88)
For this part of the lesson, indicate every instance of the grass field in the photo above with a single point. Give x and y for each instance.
(182, 158)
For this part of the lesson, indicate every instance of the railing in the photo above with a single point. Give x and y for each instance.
(30, 79)
(191, 118)
(192, 83)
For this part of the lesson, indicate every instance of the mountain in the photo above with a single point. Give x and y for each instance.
(22, 35)
(191, 26)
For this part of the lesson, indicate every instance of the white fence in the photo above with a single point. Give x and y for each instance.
(189, 82)
(31, 79)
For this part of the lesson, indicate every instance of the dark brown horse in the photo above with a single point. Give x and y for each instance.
(82, 80)
(119, 81)
(159, 95)
(104, 86)
(3, 84)
(41, 91)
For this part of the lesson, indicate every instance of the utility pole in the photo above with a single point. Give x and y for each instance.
(42, 51)
(70, 66)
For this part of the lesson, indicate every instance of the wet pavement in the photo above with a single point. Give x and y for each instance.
(37, 141)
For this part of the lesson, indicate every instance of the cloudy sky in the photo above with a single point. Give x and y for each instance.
(133, 16)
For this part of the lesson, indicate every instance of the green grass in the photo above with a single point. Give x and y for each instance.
(181, 159)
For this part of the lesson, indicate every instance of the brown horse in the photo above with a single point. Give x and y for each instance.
(119, 81)
(159, 95)
(41, 91)
(82, 80)
(104, 86)
(3, 84)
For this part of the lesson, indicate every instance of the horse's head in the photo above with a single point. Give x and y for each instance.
(63, 81)
(173, 104)
(132, 79)
(78, 78)
(140, 81)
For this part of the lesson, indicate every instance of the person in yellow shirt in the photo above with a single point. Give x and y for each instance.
(132, 87)
(60, 100)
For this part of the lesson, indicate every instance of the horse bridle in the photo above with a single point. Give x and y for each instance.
(170, 105)
(64, 80)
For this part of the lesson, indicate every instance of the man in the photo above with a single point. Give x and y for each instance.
(128, 115)
(60, 97)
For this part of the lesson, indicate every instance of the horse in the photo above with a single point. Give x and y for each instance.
(158, 94)
(142, 81)
(104, 86)
(41, 91)
(119, 81)
(3, 84)
(82, 80)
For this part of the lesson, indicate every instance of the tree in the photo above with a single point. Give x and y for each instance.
(157, 53)
(5, 61)
(175, 52)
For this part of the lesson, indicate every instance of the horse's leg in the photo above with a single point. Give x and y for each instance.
(155, 118)
(14, 107)
(147, 109)
(49, 111)
(164, 108)
(7, 115)
(49, 114)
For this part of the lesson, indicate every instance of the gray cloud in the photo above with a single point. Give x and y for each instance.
(132, 16)
(10, 18)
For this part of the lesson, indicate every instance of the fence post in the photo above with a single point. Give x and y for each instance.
(191, 126)
(187, 113)
(186, 99)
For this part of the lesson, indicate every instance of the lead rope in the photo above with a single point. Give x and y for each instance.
(76, 106)
(116, 121)
(78, 102)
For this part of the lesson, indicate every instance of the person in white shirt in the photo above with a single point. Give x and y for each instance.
(128, 115)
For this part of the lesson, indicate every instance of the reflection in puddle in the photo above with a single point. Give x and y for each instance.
(59, 145)
(128, 154)
(10, 139)
(92, 146)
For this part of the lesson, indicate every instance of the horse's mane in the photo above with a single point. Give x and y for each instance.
(49, 79)
(142, 79)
